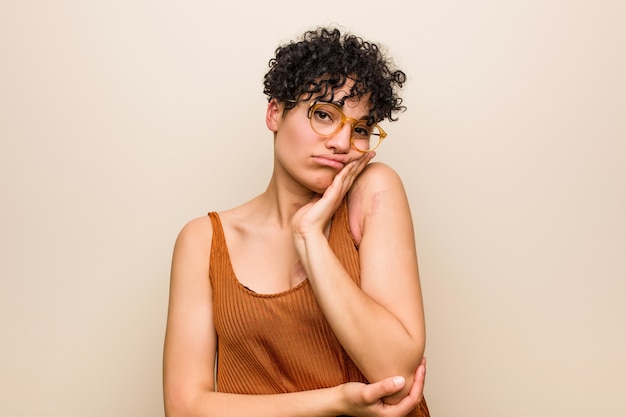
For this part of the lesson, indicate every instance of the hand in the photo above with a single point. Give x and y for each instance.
(317, 213)
(366, 400)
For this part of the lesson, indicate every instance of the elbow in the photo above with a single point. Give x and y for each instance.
(410, 361)
(175, 405)
(414, 360)
(407, 368)
(178, 403)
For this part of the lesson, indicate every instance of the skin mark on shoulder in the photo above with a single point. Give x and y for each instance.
(374, 203)
(368, 204)
(360, 209)
(378, 187)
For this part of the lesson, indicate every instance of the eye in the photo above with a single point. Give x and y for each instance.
(325, 114)
(362, 131)
(322, 116)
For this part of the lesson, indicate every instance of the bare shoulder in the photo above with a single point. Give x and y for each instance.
(198, 231)
(192, 249)
(378, 176)
(377, 189)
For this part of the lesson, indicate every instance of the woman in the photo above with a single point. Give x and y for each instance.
(305, 301)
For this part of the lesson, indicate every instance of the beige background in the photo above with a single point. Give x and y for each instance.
(121, 120)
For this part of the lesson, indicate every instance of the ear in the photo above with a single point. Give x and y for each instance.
(273, 115)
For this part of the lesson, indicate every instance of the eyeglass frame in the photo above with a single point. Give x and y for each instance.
(344, 119)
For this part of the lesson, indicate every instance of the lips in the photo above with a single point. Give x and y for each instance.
(332, 160)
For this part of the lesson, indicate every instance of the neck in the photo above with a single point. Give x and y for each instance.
(280, 200)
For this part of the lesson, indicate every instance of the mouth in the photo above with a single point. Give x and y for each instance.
(332, 160)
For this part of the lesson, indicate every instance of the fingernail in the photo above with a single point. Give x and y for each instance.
(398, 381)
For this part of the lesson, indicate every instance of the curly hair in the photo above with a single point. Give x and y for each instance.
(323, 60)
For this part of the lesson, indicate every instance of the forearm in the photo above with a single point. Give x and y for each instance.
(314, 403)
(379, 342)
(351, 398)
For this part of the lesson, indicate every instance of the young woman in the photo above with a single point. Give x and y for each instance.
(305, 301)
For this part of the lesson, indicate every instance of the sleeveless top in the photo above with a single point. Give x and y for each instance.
(279, 343)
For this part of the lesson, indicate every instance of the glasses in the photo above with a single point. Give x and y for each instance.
(327, 119)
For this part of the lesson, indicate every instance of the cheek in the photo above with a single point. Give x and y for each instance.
(295, 137)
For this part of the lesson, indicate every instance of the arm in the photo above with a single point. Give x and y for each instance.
(190, 347)
(381, 324)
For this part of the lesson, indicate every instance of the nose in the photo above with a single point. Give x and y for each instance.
(340, 142)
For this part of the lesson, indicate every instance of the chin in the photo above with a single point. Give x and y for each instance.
(320, 183)
(318, 188)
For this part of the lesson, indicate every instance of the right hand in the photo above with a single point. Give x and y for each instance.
(366, 400)
(317, 213)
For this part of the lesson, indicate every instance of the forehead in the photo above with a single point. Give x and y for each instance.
(356, 107)
(342, 97)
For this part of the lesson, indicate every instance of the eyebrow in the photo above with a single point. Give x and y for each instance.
(341, 105)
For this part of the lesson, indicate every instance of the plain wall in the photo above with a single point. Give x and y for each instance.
(122, 120)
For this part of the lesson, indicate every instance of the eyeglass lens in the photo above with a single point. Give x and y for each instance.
(327, 119)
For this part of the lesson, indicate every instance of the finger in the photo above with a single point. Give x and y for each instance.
(351, 171)
(417, 389)
(345, 178)
(384, 388)
(422, 367)
(362, 161)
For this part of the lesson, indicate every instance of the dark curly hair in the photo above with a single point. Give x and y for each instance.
(323, 60)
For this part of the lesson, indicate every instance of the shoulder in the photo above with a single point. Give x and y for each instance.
(373, 192)
(378, 176)
(198, 229)
(378, 180)
(194, 238)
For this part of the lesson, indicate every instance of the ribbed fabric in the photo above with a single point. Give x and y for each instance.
(278, 343)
